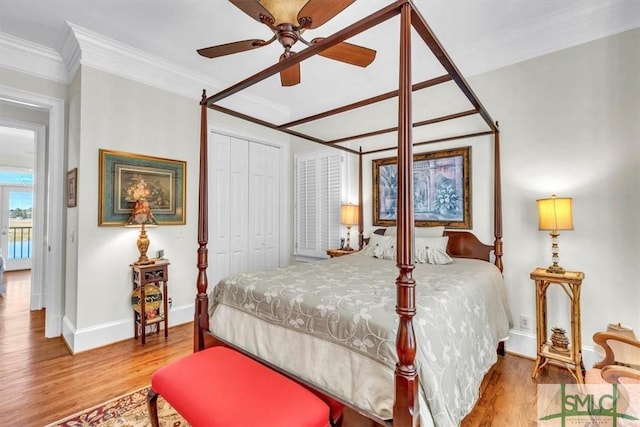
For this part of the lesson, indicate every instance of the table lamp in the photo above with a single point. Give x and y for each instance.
(349, 217)
(142, 217)
(554, 214)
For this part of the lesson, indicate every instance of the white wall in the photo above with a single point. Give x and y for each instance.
(71, 259)
(21, 81)
(119, 114)
(570, 125)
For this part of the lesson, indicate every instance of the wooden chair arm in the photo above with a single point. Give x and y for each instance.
(613, 373)
(603, 338)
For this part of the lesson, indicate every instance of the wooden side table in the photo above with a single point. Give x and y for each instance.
(570, 281)
(149, 284)
(333, 253)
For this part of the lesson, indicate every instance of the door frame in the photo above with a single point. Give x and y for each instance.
(49, 253)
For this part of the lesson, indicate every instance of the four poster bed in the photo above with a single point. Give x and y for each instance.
(391, 339)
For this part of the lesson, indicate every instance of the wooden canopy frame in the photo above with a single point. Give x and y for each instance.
(464, 244)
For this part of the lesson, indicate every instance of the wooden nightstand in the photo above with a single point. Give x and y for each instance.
(150, 297)
(333, 253)
(570, 281)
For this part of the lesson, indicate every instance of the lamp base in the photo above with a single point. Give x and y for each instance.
(348, 248)
(143, 245)
(556, 269)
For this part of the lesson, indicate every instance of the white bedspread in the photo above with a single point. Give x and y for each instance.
(333, 323)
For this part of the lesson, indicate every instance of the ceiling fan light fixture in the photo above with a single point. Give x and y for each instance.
(284, 12)
(288, 19)
(287, 35)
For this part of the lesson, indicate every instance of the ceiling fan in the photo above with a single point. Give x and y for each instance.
(288, 19)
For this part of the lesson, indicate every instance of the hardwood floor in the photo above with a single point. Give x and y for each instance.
(42, 382)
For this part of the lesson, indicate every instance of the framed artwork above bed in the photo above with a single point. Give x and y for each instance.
(441, 189)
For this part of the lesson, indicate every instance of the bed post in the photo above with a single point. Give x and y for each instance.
(360, 200)
(201, 320)
(497, 199)
(405, 407)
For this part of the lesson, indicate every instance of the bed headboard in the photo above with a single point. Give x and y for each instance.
(462, 244)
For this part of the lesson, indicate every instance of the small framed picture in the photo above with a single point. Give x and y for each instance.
(72, 188)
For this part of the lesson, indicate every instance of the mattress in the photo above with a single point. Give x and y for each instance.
(333, 323)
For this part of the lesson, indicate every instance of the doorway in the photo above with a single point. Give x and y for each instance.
(48, 243)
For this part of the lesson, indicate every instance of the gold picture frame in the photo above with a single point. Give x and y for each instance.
(441, 189)
(126, 177)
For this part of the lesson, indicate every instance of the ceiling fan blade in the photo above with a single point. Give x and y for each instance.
(253, 8)
(290, 76)
(320, 11)
(349, 53)
(235, 47)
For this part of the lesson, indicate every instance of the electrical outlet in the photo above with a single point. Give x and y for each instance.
(525, 322)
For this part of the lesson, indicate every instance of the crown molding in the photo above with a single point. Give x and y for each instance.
(31, 58)
(85, 47)
(595, 20)
(70, 52)
(103, 53)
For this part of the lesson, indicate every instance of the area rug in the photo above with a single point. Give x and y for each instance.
(129, 410)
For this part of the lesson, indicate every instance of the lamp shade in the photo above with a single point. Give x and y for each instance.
(141, 215)
(349, 214)
(555, 213)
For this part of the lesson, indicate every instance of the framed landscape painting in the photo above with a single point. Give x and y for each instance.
(441, 189)
(125, 178)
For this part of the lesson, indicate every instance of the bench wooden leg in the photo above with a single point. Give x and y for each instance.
(152, 407)
(338, 422)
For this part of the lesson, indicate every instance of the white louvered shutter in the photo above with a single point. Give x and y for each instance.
(318, 194)
(330, 197)
(306, 205)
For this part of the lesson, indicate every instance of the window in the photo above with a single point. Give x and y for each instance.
(318, 197)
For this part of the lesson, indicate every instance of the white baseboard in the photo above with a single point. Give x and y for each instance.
(524, 344)
(68, 331)
(521, 343)
(181, 315)
(79, 340)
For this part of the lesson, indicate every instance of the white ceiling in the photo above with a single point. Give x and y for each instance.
(479, 35)
(17, 147)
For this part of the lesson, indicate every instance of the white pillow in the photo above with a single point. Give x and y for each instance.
(435, 231)
(377, 245)
(432, 250)
(390, 250)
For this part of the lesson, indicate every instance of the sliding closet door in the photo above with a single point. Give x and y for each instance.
(264, 206)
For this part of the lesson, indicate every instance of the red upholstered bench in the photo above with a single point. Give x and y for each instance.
(222, 387)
